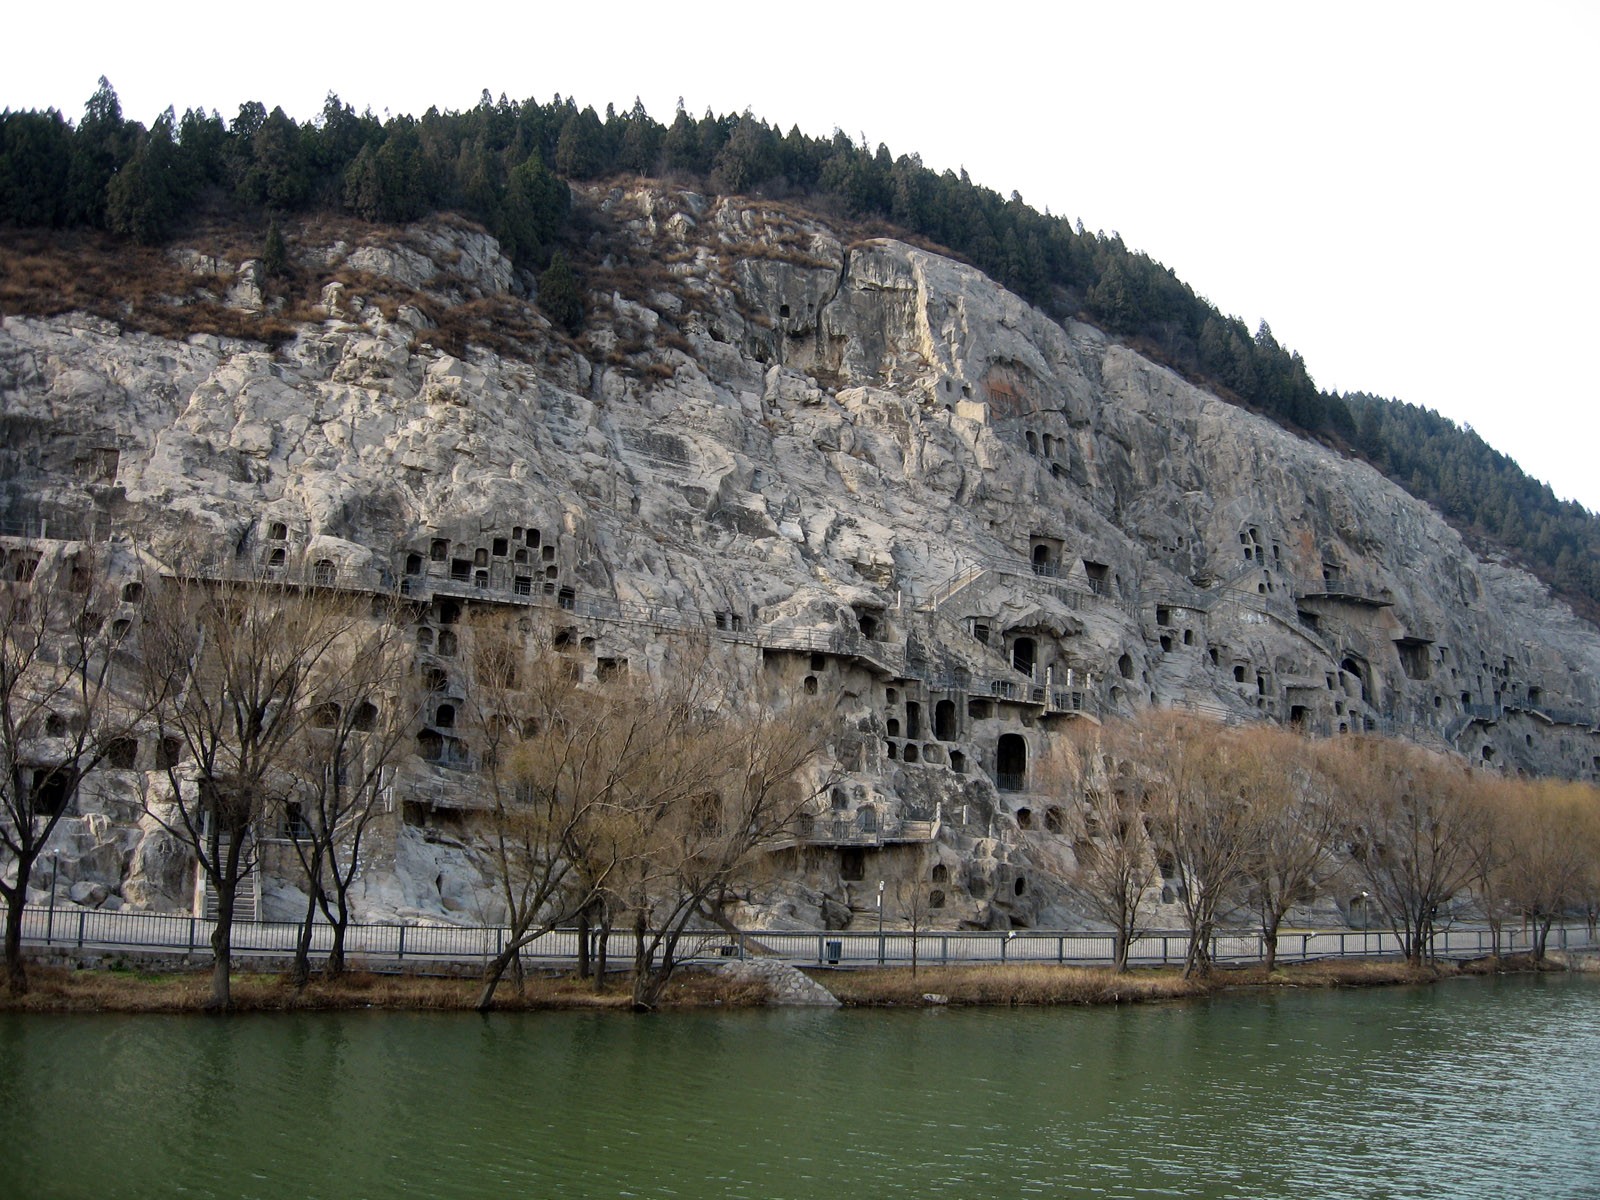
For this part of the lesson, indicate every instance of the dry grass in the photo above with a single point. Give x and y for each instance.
(47, 274)
(1510, 964)
(1009, 986)
(1335, 972)
(64, 990)
(1042, 984)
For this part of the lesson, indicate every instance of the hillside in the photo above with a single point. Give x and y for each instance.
(860, 469)
(502, 163)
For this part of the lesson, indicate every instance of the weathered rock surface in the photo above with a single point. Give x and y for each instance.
(870, 470)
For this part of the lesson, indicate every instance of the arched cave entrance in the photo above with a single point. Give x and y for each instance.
(1352, 665)
(1022, 655)
(1011, 763)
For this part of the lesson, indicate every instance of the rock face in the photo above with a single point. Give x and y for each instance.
(868, 470)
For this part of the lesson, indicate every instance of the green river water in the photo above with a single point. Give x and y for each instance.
(1473, 1088)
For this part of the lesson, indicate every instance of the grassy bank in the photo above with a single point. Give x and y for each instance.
(1038, 985)
(65, 990)
(68, 990)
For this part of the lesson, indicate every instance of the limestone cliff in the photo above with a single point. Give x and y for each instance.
(867, 468)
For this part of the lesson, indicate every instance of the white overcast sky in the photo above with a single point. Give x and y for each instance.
(1406, 192)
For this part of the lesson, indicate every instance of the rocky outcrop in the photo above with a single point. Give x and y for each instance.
(868, 470)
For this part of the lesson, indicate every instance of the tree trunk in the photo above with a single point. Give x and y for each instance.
(334, 967)
(1197, 962)
(1416, 942)
(583, 944)
(492, 976)
(16, 969)
(1119, 952)
(221, 999)
(641, 953)
(649, 976)
(335, 964)
(300, 969)
(1269, 943)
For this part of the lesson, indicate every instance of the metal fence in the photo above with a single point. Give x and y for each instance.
(861, 948)
(465, 945)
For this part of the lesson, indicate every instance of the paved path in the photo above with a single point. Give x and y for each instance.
(76, 928)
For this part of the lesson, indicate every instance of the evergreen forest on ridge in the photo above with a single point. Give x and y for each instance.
(503, 163)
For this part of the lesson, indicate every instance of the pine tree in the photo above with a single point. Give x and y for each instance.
(559, 296)
(141, 198)
(275, 254)
(99, 148)
(35, 157)
(532, 212)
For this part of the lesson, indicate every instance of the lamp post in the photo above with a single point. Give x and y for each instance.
(1366, 924)
(880, 922)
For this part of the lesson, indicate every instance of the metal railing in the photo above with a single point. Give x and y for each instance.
(468, 945)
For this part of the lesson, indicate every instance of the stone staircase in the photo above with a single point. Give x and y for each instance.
(246, 901)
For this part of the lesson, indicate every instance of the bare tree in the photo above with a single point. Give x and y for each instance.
(1116, 867)
(1491, 844)
(1296, 822)
(1409, 830)
(1553, 840)
(725, 787)
(1201, 817)
(620, 793)
(1588, 900)
(557, 761)
(227, 663)
(360, 711)
(59, 718)
(913, 897)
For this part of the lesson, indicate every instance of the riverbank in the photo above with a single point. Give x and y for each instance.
(54, 989)
(57, 989)
(1027, 986)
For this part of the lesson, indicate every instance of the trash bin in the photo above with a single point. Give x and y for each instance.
(834, 950)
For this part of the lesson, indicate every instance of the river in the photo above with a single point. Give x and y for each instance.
(1472, 1088)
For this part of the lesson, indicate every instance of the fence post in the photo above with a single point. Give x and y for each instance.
(819, 949)
(400, 956)
(944, 949)
(1061, 950)
(81, 916)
